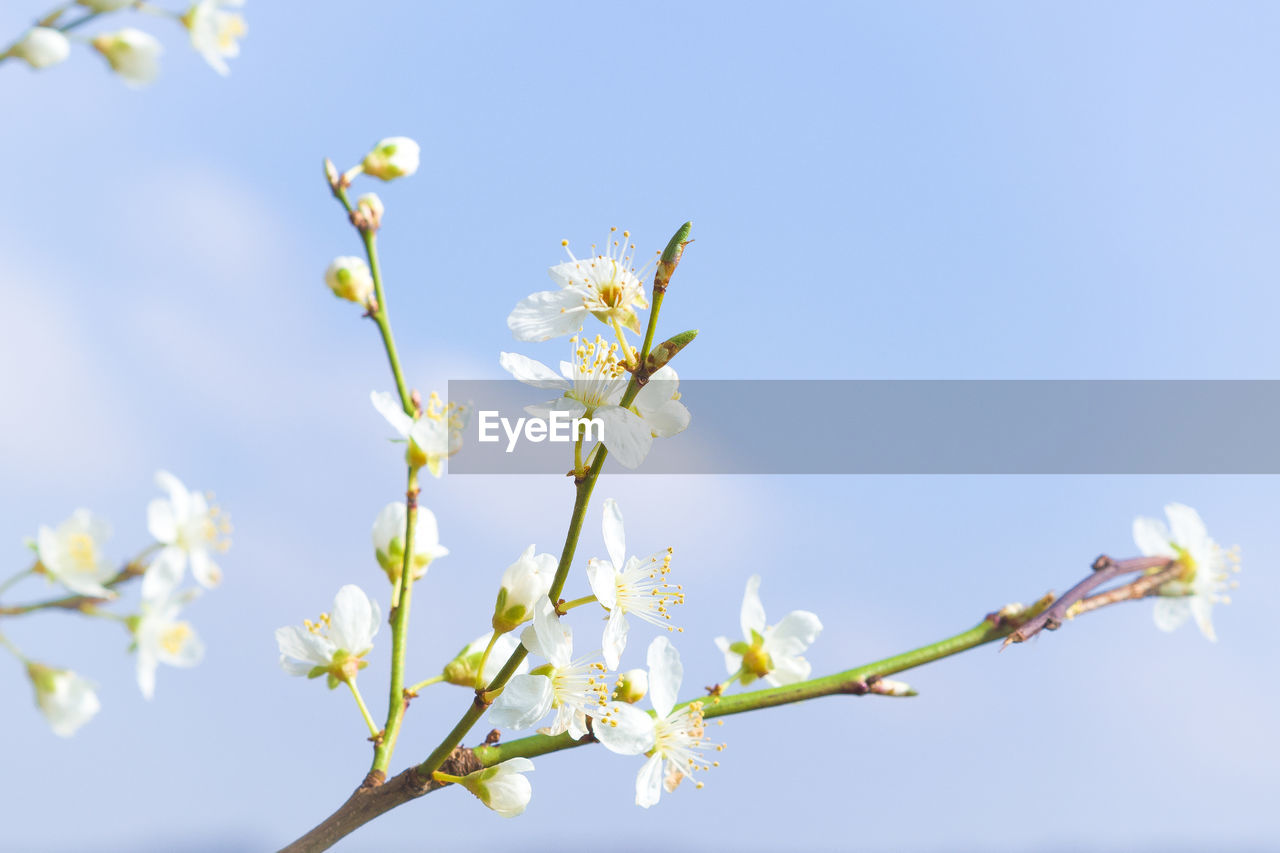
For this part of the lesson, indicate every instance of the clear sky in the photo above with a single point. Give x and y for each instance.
(940, 191)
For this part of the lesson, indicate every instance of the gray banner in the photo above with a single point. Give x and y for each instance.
(918, 427)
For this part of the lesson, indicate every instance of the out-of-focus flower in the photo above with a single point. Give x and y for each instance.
(638, 587)
(673, 740)
(388, 540)
(658, 402)
(332, 645)
(72, 554)
(215, 32)
(105, 5)
(1206, 567)
(159, 636)
(524, 582)
(433, 436)
(393, 157)
(606, 286)
(42, 47)
(571, 686)
(187, 524)
(349, 278)
(66, 700)
(371, 208)
(133, 54)
(773, 654)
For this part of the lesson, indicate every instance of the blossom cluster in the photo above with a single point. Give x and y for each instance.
(214, 28)
(188, 531)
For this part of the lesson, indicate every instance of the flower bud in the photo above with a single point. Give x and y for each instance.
(388, 540)
(462, 670)
(631, 687)
(523, 583)
(502, 787)
(370, 209)
(133, 54)
(889, 687)
(66, 700)
(349, 278)
(42, 47)
(394, 157)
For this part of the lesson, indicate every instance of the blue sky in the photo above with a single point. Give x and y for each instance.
(936, 191)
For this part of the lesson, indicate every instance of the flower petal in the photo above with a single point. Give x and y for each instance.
(665, 674)
(732, 660)
(547, 314)
(1170, 613)
(603, 578)
(752, 616)
(649, 782)
(525, 700)
(531, 372)
(1153, 538)
(1200, 608)
(615, 540)
(615, 637)
(795, 633)
(1186, 525)
(625, 729)
(626, 435)
(389, 407)
(162, 524)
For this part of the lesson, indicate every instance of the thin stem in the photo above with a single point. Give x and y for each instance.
(622, 342)
(4, 587)
(364, 709)
(381, 317)
(14, 650)
(446, 777)
(577, 602)
(396, 700)
(484, 658)
(81, 603)
(426, 682)
(1143, 587)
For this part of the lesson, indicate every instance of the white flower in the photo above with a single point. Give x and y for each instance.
(1206, 567)
(606, 286)
(501, 787)
(133, 54)
(770, 653)
(673, 740)
(565, 684)
(332, 645)
(394, 157)
(433, 436)
(188, 525)
(524, 582)
(371, 208)
(388, 540)
(349, 278)
(462, 669)
(42, 47)
(658, 402)
(639, 587)
(591, 386)
(105, 5)
(215, 33)
(159, 635)
(66, 700)
(72, 554)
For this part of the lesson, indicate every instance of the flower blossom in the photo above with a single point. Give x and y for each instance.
(215, 32)
(573, 687)
(606, 286)
(388, 540)
(771, 653)
(72, 554)
(335, 645)
(673, 740)
(1206, 567)
(637, 586)
(132, 54)
(159, 636)
(66, 699)
(433, 436)
(190, 527)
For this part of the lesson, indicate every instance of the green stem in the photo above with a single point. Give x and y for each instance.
(577, 602)
(850, 682)
(4, 587)
(484, 659)
(381, 317)
(364, 709)
(426, 682)
(396, 702)
(4, 641)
